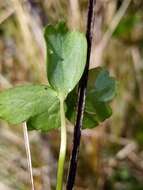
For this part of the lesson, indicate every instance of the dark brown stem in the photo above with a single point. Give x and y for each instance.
(81, 102)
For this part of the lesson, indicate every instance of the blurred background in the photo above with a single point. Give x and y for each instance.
(111, 155)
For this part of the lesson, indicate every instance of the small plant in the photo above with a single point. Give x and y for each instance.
(45, 107)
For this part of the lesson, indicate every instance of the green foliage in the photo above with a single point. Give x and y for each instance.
(66, 57)
(42, 106)
(21, 103)
(46, 121)
(39, 105)
(101, 89)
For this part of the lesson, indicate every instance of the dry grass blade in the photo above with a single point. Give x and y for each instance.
(114, 23)
(6, 15)
(97, 55)
(25, 23)
(74, 14)
(28, 152)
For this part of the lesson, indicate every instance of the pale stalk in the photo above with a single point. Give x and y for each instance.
(28, 153)
(63, 145)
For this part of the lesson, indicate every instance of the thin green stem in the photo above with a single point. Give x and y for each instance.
(63, 145)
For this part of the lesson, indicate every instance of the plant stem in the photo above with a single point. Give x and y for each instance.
(81, 101)
(63, 145)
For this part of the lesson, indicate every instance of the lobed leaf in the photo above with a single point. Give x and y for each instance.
(101, 89)
(66, 57)
(46, 121)
(21, 103)
(101, 86)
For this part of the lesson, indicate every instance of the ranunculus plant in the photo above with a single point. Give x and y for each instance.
(45, 107)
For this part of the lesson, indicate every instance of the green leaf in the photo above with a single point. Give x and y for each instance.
(101, 111)
(101, 89)
(46, 121)
(89, 119)
(21, 103)
(66, 57)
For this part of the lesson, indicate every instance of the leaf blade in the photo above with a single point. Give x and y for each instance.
(101, 89)
(20, 103)
(66, 57)
(46, 121)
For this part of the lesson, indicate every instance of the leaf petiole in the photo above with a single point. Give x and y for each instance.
(63, 145)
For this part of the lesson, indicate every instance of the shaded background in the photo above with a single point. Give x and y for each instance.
(111, 155)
